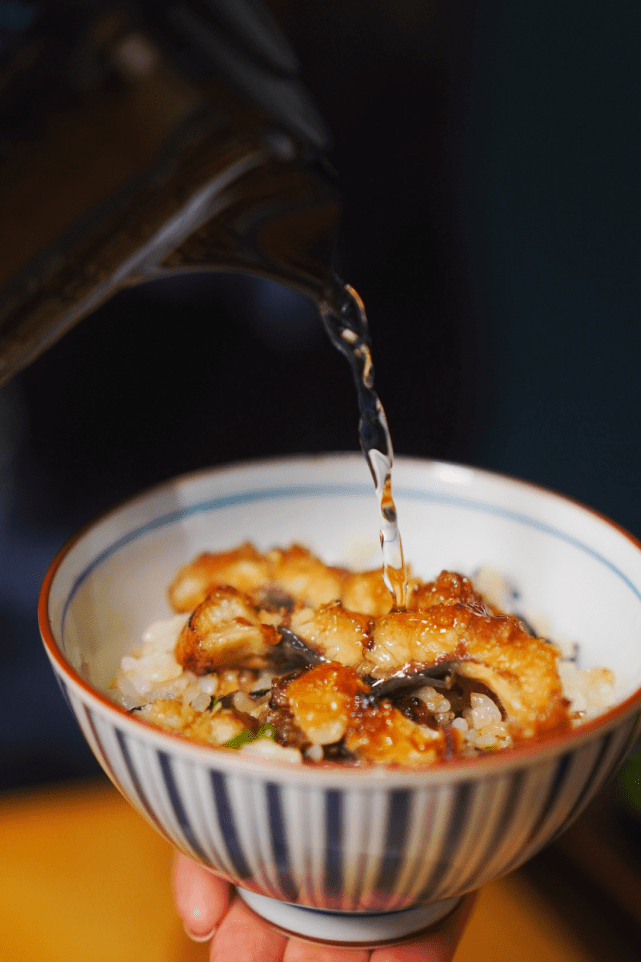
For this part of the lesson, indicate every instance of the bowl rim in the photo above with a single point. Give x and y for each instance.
(537, 750)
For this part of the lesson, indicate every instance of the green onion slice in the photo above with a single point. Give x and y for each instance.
(247, 736)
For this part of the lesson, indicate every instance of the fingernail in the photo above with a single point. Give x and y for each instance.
(199, 938)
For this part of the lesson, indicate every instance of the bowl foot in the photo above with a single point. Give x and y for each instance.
(347, 929)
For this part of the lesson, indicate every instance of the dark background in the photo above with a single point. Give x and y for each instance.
(489, 163)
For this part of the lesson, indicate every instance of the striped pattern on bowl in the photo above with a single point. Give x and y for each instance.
(358, 848)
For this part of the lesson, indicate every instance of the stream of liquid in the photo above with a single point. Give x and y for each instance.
(346, 323)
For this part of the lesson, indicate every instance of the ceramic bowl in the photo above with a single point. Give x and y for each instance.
(350, 855)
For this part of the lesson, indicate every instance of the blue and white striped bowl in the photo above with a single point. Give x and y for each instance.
(375, 842)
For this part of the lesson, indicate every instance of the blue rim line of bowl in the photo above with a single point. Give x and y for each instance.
(342, 490)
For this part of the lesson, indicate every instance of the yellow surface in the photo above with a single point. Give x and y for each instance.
(512, 923)
(84, 879)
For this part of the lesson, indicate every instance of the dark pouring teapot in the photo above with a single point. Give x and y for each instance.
(145, 138)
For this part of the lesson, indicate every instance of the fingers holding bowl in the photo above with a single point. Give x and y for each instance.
(243, 936)
(201, 898)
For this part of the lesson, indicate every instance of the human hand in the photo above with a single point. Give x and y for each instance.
(210, 911)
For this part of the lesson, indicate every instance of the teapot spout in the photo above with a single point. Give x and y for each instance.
(279, 220)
